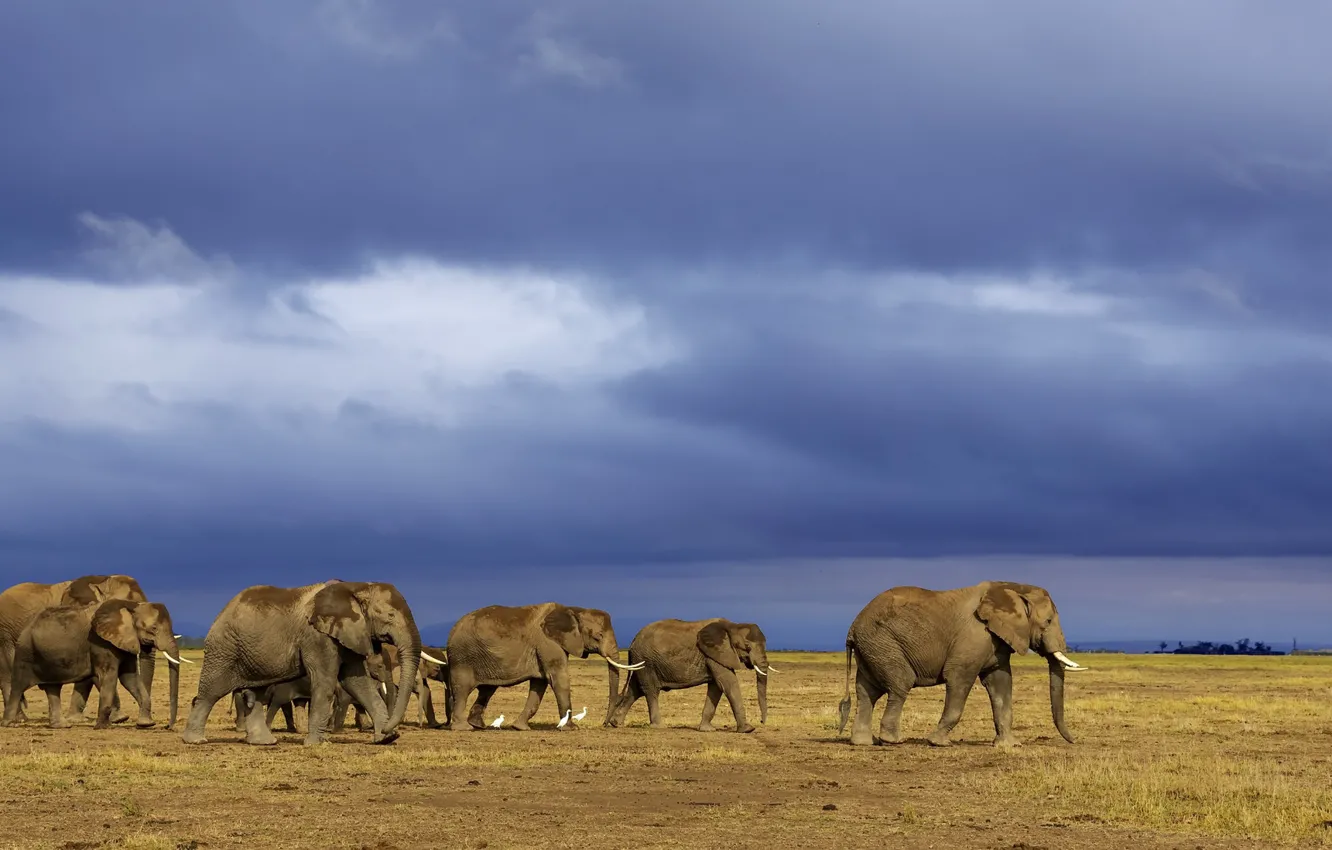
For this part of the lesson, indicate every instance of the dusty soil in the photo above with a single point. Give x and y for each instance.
(1171, 753)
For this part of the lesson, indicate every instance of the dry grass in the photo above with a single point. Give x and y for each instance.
(1172, 751)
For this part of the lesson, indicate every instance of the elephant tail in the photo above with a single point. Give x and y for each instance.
(844, 708)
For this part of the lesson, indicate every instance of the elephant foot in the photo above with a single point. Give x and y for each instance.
(706, 727)
(193, 737)
(385, 737)
(263, 739)
(121, 717)
(1007, 743)
(746, 729)
(145, 723)
(862, 739)
(315, 742)
(102, 724)
(937, 740)
(461, 727)
(59, 724)
(520, 725)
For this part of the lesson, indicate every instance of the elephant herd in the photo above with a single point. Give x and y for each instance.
(346, 644)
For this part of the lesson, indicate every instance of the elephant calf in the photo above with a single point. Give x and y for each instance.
(910, 637)
(678, 654)
(99, 641)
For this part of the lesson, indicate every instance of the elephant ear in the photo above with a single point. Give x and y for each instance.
(1004, 613)
(561, 626)
(115, 625)
(714, 641)
(338, 614)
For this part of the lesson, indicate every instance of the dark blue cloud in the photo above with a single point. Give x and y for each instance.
(657, 296)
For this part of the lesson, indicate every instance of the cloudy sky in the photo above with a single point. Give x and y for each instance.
(746, 309)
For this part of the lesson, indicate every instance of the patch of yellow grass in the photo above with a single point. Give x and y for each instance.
(1199, 794)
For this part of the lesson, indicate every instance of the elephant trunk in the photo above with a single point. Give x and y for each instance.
(613, 678)
(1057, 697)
(173, 693)
(408, 641)
(761, 684)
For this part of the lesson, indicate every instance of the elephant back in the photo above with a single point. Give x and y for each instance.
(670, 648)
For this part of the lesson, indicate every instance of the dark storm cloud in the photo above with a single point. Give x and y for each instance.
(697, 288)
(598, 134)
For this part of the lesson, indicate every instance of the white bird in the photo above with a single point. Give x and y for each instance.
(580, 715)
(565, 719)
(495, 724)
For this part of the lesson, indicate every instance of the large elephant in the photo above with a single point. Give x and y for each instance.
(910, 637)
(675, 654)
(20, 603)
(499, 646)
(267, 635)
(98, 641)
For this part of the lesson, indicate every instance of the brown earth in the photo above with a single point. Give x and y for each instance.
(1172, 752)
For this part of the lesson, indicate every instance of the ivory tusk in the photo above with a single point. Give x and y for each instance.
(172, 660)
(1068, 663)
(772, 669)
(614, 663)
(759, 670)
(178, 637)
(432, 659)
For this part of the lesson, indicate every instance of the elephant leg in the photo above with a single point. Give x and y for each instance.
(54, 719)
(323, 690)
(239, 710)
(710, 703)
(273, 708)
(867, 694)
(955, 699)
(288, 715)
(257, 731)
(999, 685)
(215, 682)
(558, 675)
(425, 703)
(78, 702)
(461, 685)
(129, 677)
(365, 691)
(536, 690)
(890, 725)
(632, 692)
(118, 714)
(730, 685)
(476, 718)
(651, 688)
(341, 702)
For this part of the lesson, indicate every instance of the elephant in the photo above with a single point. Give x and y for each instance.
(20, 603)
(284, 695)
(432, 667)
(910, 637)
(104, 641)
(675, 654)
(501, 645)
(326, 631)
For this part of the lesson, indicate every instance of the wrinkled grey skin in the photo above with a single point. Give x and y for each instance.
(20, 603)
(499, 646)
(102, 642)
(684, 654)
(266, 635)
(909, 637)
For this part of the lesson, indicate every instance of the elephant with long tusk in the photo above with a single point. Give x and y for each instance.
(98, 642)
(673, 654)
(909, 637)
(501, 645)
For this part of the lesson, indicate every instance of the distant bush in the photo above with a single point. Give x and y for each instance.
(1240, 647)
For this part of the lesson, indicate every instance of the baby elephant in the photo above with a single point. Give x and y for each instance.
(678, 654)
(102, 641)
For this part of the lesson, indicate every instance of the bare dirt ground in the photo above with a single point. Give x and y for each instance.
(1172, 752)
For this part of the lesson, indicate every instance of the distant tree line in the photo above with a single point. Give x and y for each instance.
(1239, 647)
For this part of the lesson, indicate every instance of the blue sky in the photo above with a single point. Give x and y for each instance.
(690, 309)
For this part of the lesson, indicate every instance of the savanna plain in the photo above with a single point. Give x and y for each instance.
(1171, 752)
